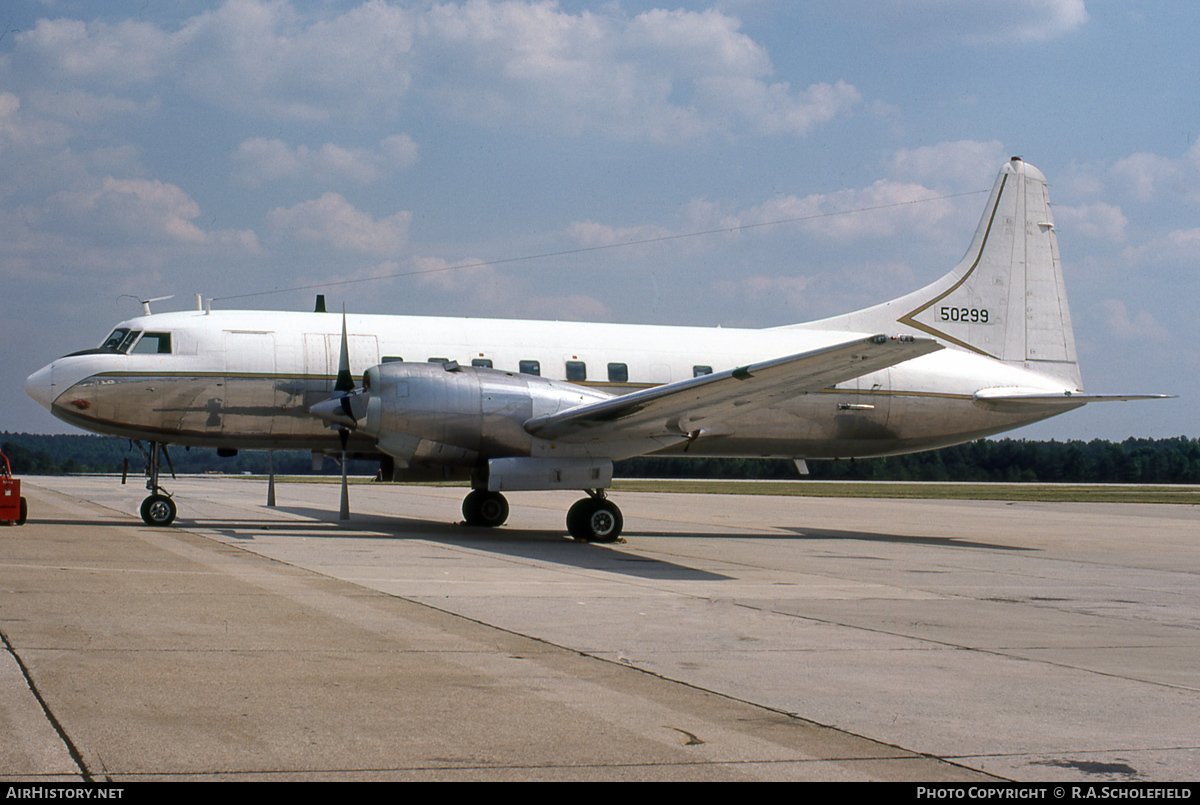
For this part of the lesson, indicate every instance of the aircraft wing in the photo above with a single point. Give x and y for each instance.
(704, 403)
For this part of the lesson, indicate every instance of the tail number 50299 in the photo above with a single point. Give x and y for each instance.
(970, 314)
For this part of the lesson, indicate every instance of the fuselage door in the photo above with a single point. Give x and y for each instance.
(321, 351)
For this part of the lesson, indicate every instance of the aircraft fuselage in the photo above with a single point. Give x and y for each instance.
(247, 379)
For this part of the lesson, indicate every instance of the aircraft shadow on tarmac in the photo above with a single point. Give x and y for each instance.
(901, 539)
(547, 545)
(539, 544)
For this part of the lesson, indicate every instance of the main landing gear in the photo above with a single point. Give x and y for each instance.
(484, 508)
(593, 519)
(158, 509)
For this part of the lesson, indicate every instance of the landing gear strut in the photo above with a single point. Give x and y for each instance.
(595, 518)
(484, 508)
(158, 509)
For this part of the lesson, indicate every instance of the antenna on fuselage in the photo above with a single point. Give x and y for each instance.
(146, 302)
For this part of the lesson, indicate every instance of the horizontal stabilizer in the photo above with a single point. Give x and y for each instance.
(698, 404)
(1019, 399)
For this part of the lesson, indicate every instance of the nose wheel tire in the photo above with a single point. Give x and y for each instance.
(483, 508)
(158, 510)
(595, 520)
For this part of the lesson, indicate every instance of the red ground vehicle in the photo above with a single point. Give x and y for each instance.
(13, 508)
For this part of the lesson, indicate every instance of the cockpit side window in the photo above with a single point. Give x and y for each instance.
(122, 338)
(128, 340)
(113, 342)
(154, 344)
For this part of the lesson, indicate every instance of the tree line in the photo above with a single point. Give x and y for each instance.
(1157, 461)
(1134, 461)
(34, 454)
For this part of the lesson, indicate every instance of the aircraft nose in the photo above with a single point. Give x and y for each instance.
(40, 386)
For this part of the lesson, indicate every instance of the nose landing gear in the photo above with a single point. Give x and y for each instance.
(158, 509)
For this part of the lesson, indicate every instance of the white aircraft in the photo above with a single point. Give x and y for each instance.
(518, 405)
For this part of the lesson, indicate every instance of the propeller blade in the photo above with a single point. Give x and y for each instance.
(345, 380)
(345, 406)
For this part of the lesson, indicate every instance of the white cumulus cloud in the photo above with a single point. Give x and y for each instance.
(963, 164)
(334, 222)
(879, 210)
(261, 160)
(979, 22)
(1100, 221)
(661, 75)
(1180, 245)
(138, 211)
(1146, 175)
(1138, 326)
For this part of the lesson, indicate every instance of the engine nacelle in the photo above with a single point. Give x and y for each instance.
(560, 472)
(465, 409)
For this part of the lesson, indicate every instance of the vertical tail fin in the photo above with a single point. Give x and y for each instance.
(1006, 298)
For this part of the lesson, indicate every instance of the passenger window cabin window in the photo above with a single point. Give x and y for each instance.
(439, 360)
(392, 359)
(531, 368)
(153, 344)
(698, 371)
(618, 373)
(485, 363)
(576, 371)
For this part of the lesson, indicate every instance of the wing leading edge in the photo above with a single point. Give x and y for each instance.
(701, 404)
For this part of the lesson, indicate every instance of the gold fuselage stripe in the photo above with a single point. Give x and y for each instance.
(908, 319)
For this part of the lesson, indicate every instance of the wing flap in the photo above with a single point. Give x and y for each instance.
(704, 403)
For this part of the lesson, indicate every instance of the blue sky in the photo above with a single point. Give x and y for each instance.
(234, 147)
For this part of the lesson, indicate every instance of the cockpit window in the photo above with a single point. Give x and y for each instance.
(113, 342)
(154, 344)
(128, 340)
(123, 338)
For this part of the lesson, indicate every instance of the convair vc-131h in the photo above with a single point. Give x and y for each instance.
(525, 405)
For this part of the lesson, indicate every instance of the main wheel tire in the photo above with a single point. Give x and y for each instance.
(606, 522)
(576, 515)
(486, 509)
(158, 510)
(24, 512)
(593, 520)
